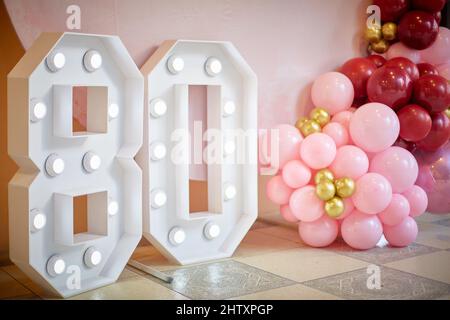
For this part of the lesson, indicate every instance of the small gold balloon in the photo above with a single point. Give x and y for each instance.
(320, 115)
(344, 187)
(373, 34)
(325, 190)
(309, 127)
(334, 207)
(300, 122)
(380, 46)
(389, 31)
(323, 175)
(447, 112)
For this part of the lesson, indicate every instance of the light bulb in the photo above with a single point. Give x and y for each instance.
(38, 111)
(92, 60)
(211, 230)
(175, 64)
(229, 108)
(177, 236)
(158, 151)
(158, 108)
(113, 207)
(213, 66)
(91, 161)
(158, 198)
(113, 111)
(54, 165)
(38, 220)
(92, 257)
(55, 61)
(229, 147)
(229, 191)
(56, 265)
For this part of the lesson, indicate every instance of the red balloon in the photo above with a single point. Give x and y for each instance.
(405, 64)
(439, 133)
(437, 16)
(391, 86)
(426, 68)
(408, 145)
(377, 59)
(432, 92)
(392, 10)
(430, 6)
(358, 70)
(415, 122)
(418, 29)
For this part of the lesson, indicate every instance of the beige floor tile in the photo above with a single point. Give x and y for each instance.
(429, 217)
(433, 235)
(258, 243)
(434, 266)
(304, 263)
(295, 292)
(282, 232)
(10, 288)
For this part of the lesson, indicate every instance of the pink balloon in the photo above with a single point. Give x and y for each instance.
(287, 214)
(373, 193)
(361, 231)
(397, 165)
(305, 205)
(332, 91)
(343, 118)
(295, 174)
(439, 52)
(402, 234)
(350, 162)
(396, 211)
(374, 127)
(319, 233)
(444, 70)
(337, 132)
(348, 208)
(418, 200)
(318, 150)
(400, 50)
(277, 191)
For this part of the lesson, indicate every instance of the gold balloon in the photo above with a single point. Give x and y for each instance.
(300, 122)
(325, 190)
(309, 127)
(334, 207)
(373, 34)
(344, 187)
(389, 31)
(380, 46)
(447, 112)
(320, 115)
(323, 175)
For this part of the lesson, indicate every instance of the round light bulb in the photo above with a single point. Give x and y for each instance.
(229, 147)
(55, 61)
(158, 108)
(56, 265)
(158, 198)
(38, 220)
(113, 111)
(158, 151)
(229, 191)
(211, 230)
(177, 236)
(175, 64)
(229, 108)
(54, 165)
(213, 66)
(113, 207)
(92, 257)
(91, 161)
(92, 60)
(38, 111)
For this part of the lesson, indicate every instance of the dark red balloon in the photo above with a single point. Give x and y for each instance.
(426, 68)
(377, 59)
(418, 29)
(391, 86)
(430, 6)
(358, 70)
(432, 92)
(438, 17)
(415, 122)
(392, 10)
(439, 133)
(405, 64)
(410, 146)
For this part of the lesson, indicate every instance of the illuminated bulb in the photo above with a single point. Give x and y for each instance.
(113, 207)
(229, 191)
(158, 198)
(158, 108)
(229, 108)
(56, 61)
(92, 257)
(229, 147)
(113, 111)
(213, 66)
(38, 220)
(92, 60)
(158, 151)
(38, 111)
(175, 64)
(211, 230)
(177, 236)
(54, 165)
(55, 265)
(91, 161)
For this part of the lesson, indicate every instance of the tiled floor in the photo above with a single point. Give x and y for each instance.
(273, 263)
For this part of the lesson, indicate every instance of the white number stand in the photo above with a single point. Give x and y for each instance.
(232, 188)
(57, 164)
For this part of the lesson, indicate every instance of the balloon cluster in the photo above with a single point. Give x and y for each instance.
(326, 182)
(318, 118)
